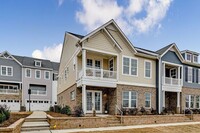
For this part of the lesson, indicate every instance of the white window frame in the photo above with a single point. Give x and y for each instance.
(36, 74)
(36, 61)
(196, 57)
(72, 95)
(189, 101)
(190, 74)
(197, 97)
(7, 71)
(146, 61)
(147, 100)
(45, 75)
(199, 76)
(129, 100)
(130, 58)
(26, 72)
(186, 54)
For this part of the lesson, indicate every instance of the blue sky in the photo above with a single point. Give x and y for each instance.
(28, 26)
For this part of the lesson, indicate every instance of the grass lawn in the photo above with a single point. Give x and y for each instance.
(14, 116)
(167, 129)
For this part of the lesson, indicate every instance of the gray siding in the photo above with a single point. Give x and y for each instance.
(17, 70)
(194, 83)
(171, 56)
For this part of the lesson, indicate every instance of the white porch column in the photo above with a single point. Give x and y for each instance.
(178, 77)
(163, 77)
(178, 99)
(84, 62)
(84, 98)
(163, 98)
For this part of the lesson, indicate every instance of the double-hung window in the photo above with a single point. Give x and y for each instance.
(27, 73)
(198, 102)
(89, 63)
(37, 74)
(129, 99)
(190, 74)
(6, 71)
(47, 75)
(189, 101)
(148, 100)
(195, 58)
(147, 69)
(130, 66)
(188, 57)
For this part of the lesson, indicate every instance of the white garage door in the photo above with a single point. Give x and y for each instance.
(13, 105)
(38, 105)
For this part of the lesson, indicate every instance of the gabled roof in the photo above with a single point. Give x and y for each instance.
(164, 50)
(189, 51)
(103, 28)
(11, 56)
(55, 66)
(76, 35)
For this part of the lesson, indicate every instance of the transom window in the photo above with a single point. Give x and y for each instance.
(28, 73)
(129, 99)
(37, 74)
(189, 101)
(147, 69)
(6, 71)
(130, 66)
(147, 100)
(47, 75)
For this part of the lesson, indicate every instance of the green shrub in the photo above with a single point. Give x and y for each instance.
(78, 111)
(2, 117)
(5, 110)
(57, 108)
(66, 110)
(51, 109)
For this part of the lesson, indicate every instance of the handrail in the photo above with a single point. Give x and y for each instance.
(121, 113)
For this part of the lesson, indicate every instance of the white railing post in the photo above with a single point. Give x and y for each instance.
(102, 73)
(84, 62)
(171, 81)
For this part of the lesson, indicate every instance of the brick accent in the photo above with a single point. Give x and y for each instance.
(14, 128)
(140, 95)
(188, 91)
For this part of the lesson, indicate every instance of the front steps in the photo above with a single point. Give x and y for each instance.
(35, 124)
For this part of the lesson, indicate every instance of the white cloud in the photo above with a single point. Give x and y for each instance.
(96, 12)
(52, 53)
(60, 2)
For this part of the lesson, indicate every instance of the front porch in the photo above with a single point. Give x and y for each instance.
(100, 99)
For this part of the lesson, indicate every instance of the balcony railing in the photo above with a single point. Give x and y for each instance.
(98, 73)
(9, 91)
(38, 92)
(171, 81)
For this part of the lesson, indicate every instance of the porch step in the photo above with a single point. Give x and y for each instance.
(35, 119)
(35, 124)
(113, 121)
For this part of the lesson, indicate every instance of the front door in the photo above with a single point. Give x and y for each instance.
(94, 101)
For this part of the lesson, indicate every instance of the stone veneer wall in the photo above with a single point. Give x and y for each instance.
(14, 128)
(140, 95)
(188, 91)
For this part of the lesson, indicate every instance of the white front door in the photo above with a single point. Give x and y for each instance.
(94, 101)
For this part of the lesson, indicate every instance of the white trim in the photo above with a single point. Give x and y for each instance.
(38, 61)
(190, 57)
(146, 52)
(170, 63)
(10, 81)
(11, 57)
(191, 74)
(36, 74)
(45, 75)
(129, 100)
(7, 70)
(129, 65)
(26, 72)
(147, 61)
(93, 100)
(193, 59)
(99, 51)
(136, 84)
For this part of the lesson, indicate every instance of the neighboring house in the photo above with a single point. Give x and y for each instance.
(29, 73)
(10, 81)
(103, 71)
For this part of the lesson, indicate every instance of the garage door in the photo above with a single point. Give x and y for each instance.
(13, 105)
(38, 105)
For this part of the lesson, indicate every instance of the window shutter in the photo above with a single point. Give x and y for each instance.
(193, 75)
(186, 74)
(197, 75)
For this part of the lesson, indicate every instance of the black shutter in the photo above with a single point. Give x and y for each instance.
(186, 74)
(193, 75)
(197, 76)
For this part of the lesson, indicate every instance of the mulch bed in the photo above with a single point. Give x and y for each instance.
(14, 117)
(53, 114)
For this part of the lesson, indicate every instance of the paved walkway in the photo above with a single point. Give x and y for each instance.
(37, 114)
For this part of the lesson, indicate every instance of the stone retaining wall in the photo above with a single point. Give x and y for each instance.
(14, 128)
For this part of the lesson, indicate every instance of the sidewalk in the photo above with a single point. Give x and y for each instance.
(122, 127)
(37, 114)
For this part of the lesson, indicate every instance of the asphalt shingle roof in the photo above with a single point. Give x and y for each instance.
(76, 35)
(162, 50)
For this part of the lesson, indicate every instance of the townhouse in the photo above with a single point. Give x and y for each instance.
(19, 73)
(103, 71)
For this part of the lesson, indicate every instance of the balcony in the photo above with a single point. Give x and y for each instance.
(9, 91)
(171, 81)
(38, 92)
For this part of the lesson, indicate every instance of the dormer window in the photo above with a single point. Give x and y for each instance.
(195, 59)
(38, 63)
(188, 57)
